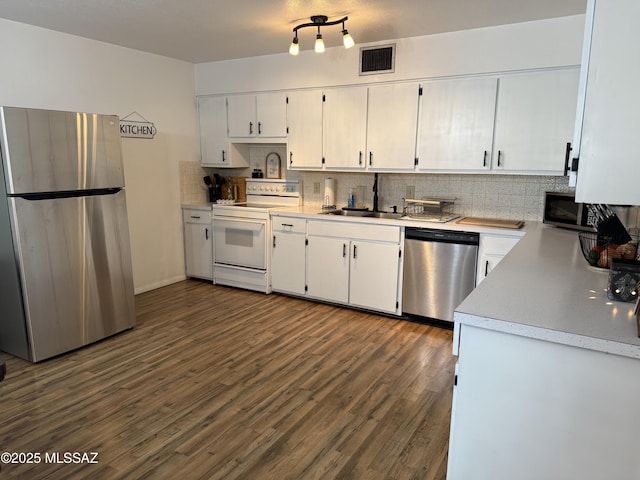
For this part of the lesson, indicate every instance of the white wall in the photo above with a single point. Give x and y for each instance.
(539, 44)
(45, 69)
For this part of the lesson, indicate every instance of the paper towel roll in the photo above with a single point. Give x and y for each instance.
(329, 199)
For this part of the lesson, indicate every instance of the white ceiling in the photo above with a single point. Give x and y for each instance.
(200, 31)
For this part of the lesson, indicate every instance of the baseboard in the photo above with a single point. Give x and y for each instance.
(164, 283)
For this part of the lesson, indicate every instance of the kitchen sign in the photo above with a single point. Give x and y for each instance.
(136, 128)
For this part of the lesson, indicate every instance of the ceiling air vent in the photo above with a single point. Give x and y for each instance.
(377, 59)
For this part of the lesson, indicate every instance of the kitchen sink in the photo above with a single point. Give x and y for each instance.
(348, 213)
(361, 213)
(386, 215)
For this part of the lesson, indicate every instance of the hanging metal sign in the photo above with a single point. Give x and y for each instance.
(136, 128)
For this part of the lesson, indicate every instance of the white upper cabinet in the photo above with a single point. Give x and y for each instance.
(455, 131)
(535, 116)
(215, 149)
(241, 116)
(263, 115)
(345, 128)
(304, 120)
(272, 114)
(608, 158)
(212, 122)
(520, 123)
(391, 126)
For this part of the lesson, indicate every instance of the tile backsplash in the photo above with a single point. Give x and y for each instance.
(192, 186)
(518, 197)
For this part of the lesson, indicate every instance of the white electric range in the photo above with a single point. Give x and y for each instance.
(241, 233)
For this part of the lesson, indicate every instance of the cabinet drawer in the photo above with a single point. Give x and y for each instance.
(193, 215)
(288, 224)
(355, 231)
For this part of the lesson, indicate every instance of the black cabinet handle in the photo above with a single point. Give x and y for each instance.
(290, 158)
(574, 164)
(370, 158)
(484, 159)
(354, 251)
(567, 155)
(499, 158)
(250, 128)
(360, 158)
(274, 241)
(206, 234)
(259, 128)
(195, 216)
(344, 250)
(486, 268)
(290, 225)
(224, 158)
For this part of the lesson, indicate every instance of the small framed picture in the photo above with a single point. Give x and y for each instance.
(273, 165)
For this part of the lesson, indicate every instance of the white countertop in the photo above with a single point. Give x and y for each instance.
(198, 206)
(545, 289)
(315, 212)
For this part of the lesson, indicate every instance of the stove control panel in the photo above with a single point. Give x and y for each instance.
(277, 187)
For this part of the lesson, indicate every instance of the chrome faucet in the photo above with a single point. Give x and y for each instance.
(375, 193)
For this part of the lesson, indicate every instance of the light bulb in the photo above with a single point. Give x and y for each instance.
(294, 49)
(347, 39)
(319, 44)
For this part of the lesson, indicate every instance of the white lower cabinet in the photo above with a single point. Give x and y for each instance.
(374, 270)
(328, 268)
(288, 252)
(492, 250)
(354, 264)
(198, 245)
(529, 409)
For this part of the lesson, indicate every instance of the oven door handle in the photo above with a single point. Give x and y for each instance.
(254, 225)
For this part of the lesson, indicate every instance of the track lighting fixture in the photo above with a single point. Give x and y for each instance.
(320, 21)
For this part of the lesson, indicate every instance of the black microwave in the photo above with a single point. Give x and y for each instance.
(562, 210)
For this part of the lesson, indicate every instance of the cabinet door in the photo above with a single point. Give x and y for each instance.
(374, 276)
(608, 150)
(288, 262)
(456, 124)
(271, 115)
(491, 251)
(535, 117)
(328, 269)
(198, 250)
(241, 115)
(212, 121)
(486, 263)
(304, 120)
(344, 127)
(392, 119)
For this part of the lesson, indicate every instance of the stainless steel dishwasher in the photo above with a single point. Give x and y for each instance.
(439, 272)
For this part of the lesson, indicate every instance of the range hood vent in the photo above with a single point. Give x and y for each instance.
(380, 59)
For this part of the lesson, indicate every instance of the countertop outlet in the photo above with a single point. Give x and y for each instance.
(410, 191)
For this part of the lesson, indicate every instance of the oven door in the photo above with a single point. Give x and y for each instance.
(240, 242)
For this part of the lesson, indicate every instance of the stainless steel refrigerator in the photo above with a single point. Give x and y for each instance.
(65, 260)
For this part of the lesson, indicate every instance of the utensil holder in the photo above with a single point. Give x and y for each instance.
(624, 280)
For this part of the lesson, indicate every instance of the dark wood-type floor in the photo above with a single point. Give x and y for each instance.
(220, 383)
